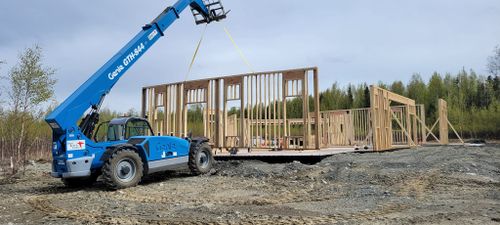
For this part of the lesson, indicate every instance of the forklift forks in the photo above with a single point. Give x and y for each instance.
(215, 9)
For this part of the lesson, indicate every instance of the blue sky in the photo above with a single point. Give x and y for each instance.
(350, 41)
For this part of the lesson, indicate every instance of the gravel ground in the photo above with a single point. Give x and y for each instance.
(428, 185)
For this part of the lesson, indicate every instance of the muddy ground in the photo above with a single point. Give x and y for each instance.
(429, 185)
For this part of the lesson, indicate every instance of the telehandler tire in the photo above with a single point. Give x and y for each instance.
(200, 158)
(123, 169)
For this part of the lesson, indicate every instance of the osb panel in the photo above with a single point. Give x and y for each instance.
(193, 85)
(294, 75)
(233, 80)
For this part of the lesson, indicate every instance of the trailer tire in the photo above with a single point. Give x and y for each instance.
(123, 169)
(200, 158)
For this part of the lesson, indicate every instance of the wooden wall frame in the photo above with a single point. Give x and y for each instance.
(263, 122)
(382, 117)
(444, 125)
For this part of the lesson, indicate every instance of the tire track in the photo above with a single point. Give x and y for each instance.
(263, 197)
(46, 206)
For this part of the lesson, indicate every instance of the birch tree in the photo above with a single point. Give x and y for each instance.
(30, 85)
(2, 122)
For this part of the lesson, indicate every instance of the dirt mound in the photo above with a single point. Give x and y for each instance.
(258, 169)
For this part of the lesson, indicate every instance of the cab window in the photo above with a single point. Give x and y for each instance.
(115, 132)
(137, 128)
(101, 133)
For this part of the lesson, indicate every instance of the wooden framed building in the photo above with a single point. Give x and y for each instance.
(244, 111)
(253, 111)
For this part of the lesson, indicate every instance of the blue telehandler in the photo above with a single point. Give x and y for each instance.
(123, 150)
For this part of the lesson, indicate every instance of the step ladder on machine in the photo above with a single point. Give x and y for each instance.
(215, 9)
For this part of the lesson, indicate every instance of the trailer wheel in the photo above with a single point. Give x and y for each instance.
(200, 159)
(123, 169)
(79, 182)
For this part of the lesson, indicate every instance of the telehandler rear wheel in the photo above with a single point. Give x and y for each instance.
(123, 169)
(200, 159)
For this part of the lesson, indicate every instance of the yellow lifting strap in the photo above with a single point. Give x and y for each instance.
(242, 56)
(239, 50)
(195, 53)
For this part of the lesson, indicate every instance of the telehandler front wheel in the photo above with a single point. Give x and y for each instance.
(200, 159)
(123, 169)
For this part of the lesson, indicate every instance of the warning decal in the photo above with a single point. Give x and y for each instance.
(75, 145)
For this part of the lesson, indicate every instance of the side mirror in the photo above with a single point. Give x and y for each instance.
(189, 136)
